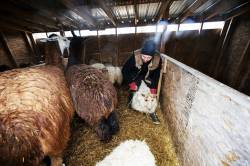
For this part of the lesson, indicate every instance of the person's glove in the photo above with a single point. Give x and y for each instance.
(153, 91)
(133, 86)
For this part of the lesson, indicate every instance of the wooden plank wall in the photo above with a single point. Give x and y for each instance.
(233, 68)
(113, 49)
(208, 120)
(223, 55)
(16, 48)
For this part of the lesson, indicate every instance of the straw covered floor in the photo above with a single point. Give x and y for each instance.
(85, 149)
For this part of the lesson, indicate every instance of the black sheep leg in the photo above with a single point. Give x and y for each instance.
(113, 123)
(103, 130)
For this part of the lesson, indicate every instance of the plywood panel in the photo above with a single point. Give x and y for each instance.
(209, 121)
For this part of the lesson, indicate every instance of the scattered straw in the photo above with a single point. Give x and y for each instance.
(85, 149)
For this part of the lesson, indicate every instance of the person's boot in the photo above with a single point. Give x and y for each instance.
(154, 118)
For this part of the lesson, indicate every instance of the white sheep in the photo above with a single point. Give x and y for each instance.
(119, 77)
(114, 73)
(143, 100)
(129, 153)
(98, 66)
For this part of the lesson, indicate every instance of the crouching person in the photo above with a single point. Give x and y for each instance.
(143, 65)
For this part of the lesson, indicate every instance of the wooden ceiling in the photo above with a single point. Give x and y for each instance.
(56, 15)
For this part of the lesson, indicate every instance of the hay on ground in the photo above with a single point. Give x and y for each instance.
(85, 149)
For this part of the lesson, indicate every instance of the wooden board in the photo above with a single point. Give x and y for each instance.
(209, 121)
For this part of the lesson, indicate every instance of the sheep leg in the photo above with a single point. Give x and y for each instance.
(103, 130)
(113, 123)
(56, 161)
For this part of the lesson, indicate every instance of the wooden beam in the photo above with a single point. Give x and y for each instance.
(31, 47)
(233, 12)
(99, 46)
(165, 4)
(218, 8)
(11, 26)
(115, 62)
(35, 46)
(29, 16)
(23, 23)
(45, 11)
(136, 12)
(10, 53)
(108, 11)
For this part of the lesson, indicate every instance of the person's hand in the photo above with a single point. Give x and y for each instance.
(153, 91)
(133, 86)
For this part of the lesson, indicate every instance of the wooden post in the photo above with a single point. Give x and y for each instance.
(99, 47)
(37, 53)
(29, 43)
(243, 63)
(163, 70)
(10, 52)
(117, 48)
(219, 67)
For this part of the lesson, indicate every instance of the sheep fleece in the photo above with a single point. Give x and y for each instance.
(35, 114)
(93, 94)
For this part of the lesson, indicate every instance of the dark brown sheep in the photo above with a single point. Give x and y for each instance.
(35, 114)
(94, 99)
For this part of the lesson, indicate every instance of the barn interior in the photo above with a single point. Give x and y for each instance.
(204, 103)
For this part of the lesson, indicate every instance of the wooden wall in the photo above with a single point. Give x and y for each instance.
(233, 65)
(113, 49)
(223, 55)
(16, 48)
(209, 121)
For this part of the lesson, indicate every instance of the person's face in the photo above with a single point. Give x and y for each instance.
(146, 58)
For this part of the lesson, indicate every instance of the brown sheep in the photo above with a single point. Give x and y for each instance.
(94, 99)
(35, 114)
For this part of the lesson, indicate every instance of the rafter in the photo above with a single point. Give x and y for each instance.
(43, 10)
(164, 6)
(233, 12)
(136, 12)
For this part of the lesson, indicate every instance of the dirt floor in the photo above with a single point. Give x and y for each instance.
(85, 149)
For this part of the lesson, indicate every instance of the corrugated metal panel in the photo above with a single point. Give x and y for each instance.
(175, 6)
(204, 7)
(178, 6)
(120, 12)
(131, 11)
(153, 9)
(142, 10)
(148, 10)
(98, 14)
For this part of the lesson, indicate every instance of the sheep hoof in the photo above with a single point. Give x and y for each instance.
(103, 130)
(113, 123)
(154, 118)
